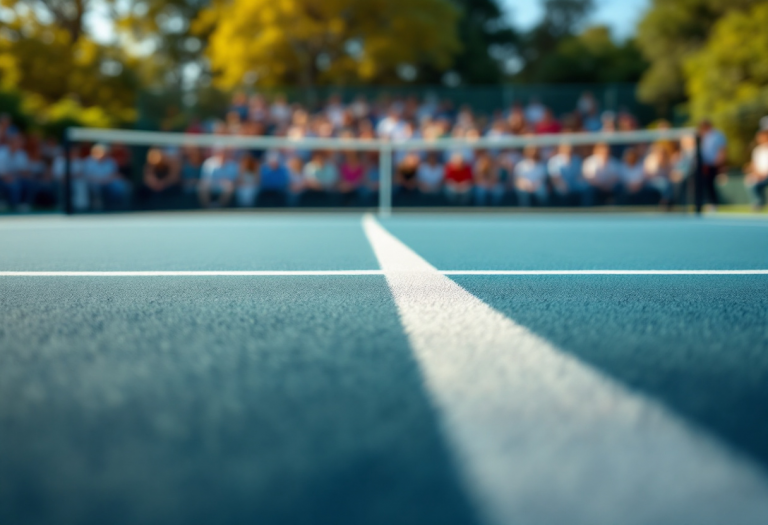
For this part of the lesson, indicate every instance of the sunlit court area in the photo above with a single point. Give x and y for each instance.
(472, 262)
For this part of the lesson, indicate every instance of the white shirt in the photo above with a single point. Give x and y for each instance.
(596, 170)
(760, 160)
(531, 170)
(711, 144)
(429, 175)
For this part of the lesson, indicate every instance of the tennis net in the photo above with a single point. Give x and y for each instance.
(125, 169)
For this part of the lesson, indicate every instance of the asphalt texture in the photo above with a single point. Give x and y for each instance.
(293, 400)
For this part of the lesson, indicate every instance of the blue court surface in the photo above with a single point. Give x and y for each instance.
(418, 369)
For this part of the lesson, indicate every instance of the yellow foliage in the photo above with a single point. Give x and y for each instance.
(727, 81)
(311, 42)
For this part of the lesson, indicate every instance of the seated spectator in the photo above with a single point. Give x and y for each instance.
(531, 178)
(633, 177)
(217, 179)
(247, 184)
(486, 178)
(458, 180)
(190, 170)
(321, 179)
(107, 188)
(352, 177)
(406, 180)
(297, 185)
(658, 172)
(564, 169)
(162, 180)
(274, 180)
(548, 124)
(429, 176)
(603, 175)
(757, 173)
(80, 196)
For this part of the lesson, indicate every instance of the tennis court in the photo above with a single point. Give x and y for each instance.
(420, 368)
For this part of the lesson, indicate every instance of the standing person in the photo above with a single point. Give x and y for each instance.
(217, 179)
(713, 159)
(15, 184)
(603, 174)
(757, 173)
(531, 178)
(458, 180)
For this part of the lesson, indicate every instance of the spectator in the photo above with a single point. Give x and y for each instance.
(190, 169)
(352, 177)
(633, 177)
(530, 178)
(280, 112)
(274, 180)
(297, 185)
(548, 124)
(603, 175)
(162, 179)
(80, 197)
(658, 171)
(107, 188)
(406, 177)
(486, 179)
(430, 176)
(713, 157)
(217, 179)
(535, 111)
(564, 169)
(757, 173)
(321, 179)
(247, 184)
(458, 180)
(16, 183)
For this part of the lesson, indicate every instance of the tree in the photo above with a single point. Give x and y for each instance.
(728, 77)
(562, 20)
(46, 56)
(314, 42)
(487, 42)
(592, 57)
(670, 32)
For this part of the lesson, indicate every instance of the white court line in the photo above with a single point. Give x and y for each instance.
(541, 437)
(286, 273)
(322, 273)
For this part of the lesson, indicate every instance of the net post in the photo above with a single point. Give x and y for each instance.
(698, 177)
(67, 174)
(385, 180)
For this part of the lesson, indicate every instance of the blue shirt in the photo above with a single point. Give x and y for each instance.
(276, 178)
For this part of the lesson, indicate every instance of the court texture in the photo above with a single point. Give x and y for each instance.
(346, 369)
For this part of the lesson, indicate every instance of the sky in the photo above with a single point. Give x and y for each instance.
(620, 15)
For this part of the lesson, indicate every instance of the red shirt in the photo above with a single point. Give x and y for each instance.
(552, 126)
(458, 174)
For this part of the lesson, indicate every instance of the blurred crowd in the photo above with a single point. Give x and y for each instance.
(117, 177)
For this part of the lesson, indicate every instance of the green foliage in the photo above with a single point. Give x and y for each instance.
(728, 77)
(670, 32)
(592, 56)
(487, 40)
